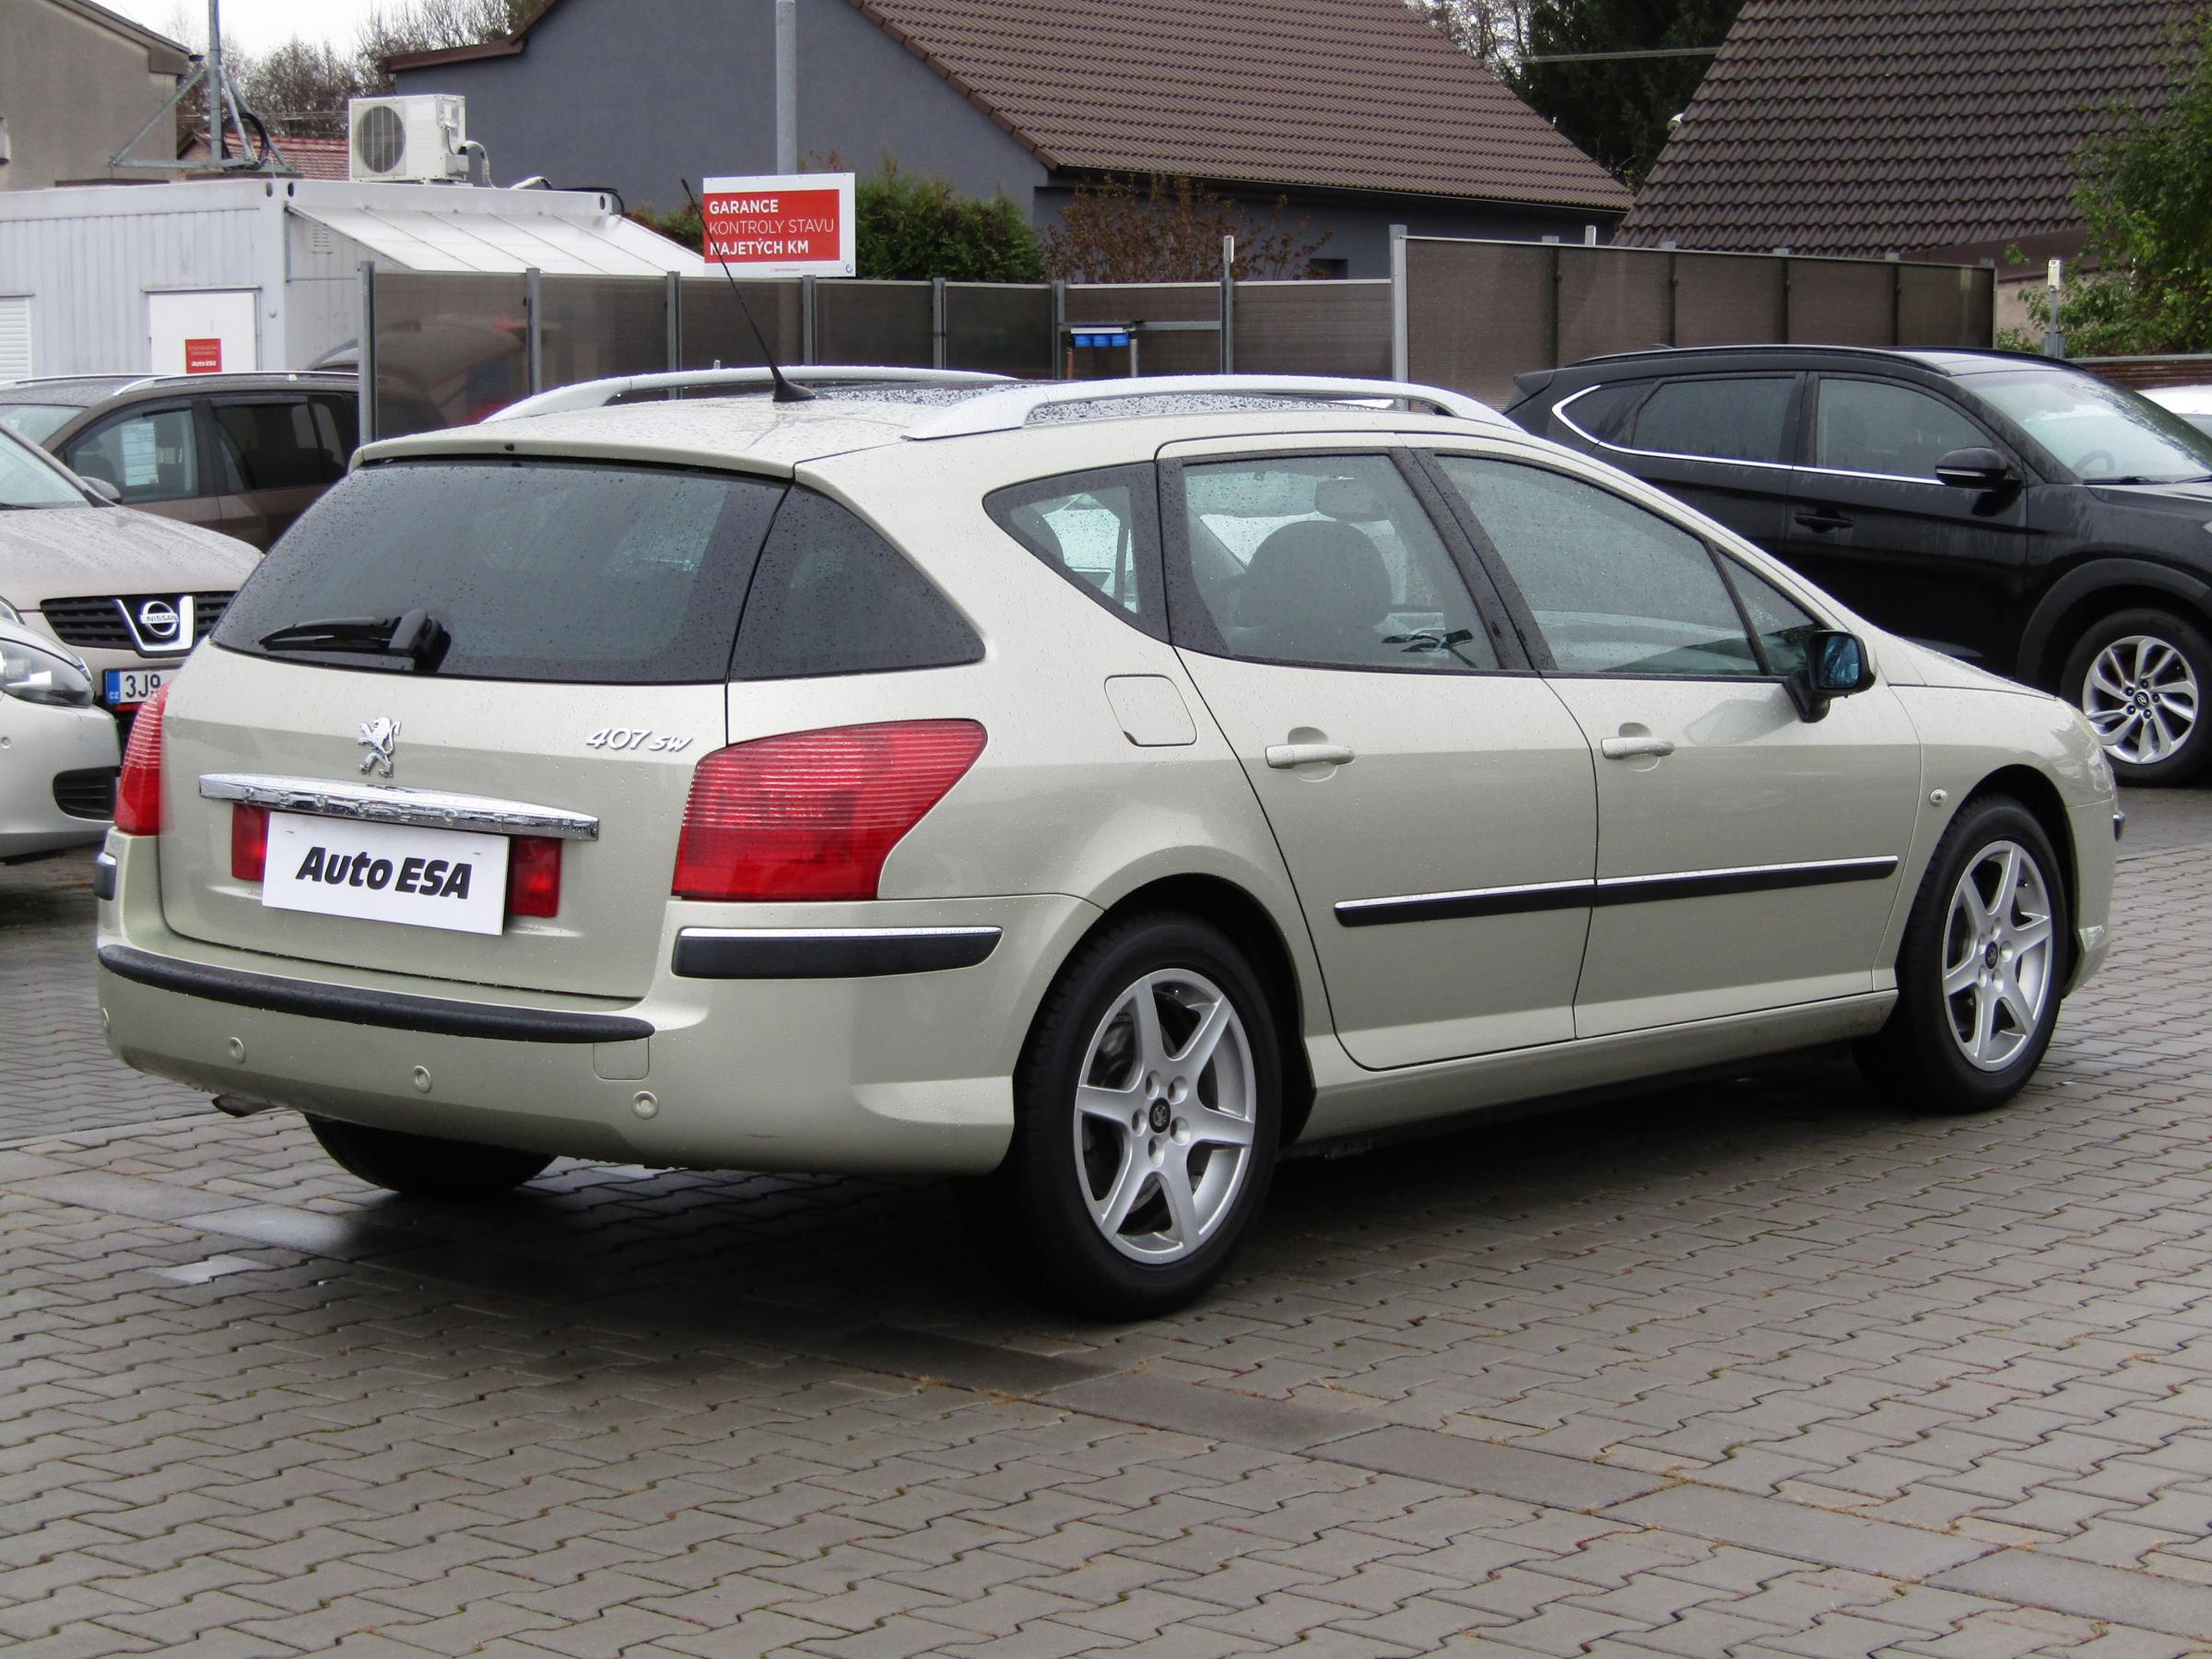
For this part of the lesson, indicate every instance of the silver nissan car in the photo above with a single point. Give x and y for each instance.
(1086, 790)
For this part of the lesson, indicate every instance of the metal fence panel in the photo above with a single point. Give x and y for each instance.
(715, 328)
(1612, 300)
(449, 348)
(1314, 328)
(1834, 303)
(1937, 306)
(1179, 351)
(890, 324)
(596, 327)
(1479, 313)
(1000, 328)
(1727, 300)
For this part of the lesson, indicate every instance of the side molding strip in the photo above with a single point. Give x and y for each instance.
(827, 952)
(1607, 891)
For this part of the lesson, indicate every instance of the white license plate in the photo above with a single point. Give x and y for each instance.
(124, 687)
(448, 879)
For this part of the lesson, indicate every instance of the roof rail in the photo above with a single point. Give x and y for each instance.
(596, 393)
(1006, 410)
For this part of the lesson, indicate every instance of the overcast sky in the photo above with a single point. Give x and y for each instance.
(255, 25)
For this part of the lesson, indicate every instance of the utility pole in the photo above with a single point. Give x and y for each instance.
(787, 86)
(218, 149)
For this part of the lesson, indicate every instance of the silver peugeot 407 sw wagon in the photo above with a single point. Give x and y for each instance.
(1086, 790)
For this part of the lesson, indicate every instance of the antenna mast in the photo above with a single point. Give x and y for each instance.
(224, 116)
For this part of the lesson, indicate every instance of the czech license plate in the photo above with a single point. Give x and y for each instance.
(121, 687)
(448, 879)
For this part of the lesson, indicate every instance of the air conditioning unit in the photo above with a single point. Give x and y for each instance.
(413, 139)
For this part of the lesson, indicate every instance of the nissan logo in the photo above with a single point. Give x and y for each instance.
(157, 620)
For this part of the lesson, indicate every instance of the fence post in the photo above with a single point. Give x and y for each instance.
(2054, 338)
(1557, 280)
(1897, 298)
(1401, 366)
(1058, 347)
(673, 309)
(1229, 305)
(1786, 298)
(533, 294)
(366, 354)
(936, 321)
(806, 320)
(1674, 293)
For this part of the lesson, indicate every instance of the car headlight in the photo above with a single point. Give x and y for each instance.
(43, 676)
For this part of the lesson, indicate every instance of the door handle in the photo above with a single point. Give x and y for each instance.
(1629, 749)
(1825, 520)
(1284, 756)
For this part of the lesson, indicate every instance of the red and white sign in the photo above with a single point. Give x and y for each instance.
(781, 225)
(204, 357)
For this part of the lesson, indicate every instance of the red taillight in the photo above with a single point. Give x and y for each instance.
(813, 815)
(249, 842)
(533, 876)
(138, 794)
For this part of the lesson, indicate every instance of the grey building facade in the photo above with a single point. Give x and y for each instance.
(75, 80)
(1035, 99)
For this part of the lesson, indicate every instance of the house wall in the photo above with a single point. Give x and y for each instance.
(640, 94)
(72, 89)
(1359, 228)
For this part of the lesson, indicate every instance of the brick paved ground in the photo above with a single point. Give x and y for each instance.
(1761, 1369)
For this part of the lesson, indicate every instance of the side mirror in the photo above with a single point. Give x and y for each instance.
(1836, 664)
(1975, 468)
(104, 490)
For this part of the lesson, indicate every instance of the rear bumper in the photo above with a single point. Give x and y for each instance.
(903, 1067)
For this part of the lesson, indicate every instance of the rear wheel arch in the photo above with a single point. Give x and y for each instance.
(1250, 926)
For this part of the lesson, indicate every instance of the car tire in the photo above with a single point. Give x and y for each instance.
(424, 1166)
(2140, 675)
(1982, 965)
(1122, 1208)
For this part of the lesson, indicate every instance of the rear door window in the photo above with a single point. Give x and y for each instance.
(537, 569)
(148, 455)
(280, 444)
(1738, 419)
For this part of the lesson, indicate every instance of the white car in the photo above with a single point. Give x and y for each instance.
(58, 755)
(2193, 404)
(1085, 790)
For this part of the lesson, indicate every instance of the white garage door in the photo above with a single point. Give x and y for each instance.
(14, 336)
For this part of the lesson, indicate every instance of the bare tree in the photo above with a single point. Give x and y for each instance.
(301, 88)
(1170, 232)
(1493, 33)
(436, 26)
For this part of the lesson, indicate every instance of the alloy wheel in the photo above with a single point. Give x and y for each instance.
(1164, 1115)
(1998, 951)
(2141, 696)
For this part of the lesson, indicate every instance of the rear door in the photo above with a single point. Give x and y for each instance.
(1748, 858)
(1869, 521)
(277, 453)
(1432, 799)
(591, 610)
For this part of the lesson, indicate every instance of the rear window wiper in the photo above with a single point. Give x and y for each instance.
(417, 636)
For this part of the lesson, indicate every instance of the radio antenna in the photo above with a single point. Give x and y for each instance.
(785, 391)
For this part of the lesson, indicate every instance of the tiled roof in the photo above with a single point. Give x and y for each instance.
(1348, 94)
(313, 158)
(1331, 94)
(1872, 126)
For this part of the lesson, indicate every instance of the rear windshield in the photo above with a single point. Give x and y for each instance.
(36, 423)
(537, 570)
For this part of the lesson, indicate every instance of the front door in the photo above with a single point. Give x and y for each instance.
(1748, 858)
(1432, 798)
(1869, 522)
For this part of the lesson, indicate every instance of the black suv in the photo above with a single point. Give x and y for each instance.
(2012, 510)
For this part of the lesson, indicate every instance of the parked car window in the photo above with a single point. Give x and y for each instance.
(28, 479)
(1727, 419)
(831, 596)
(36, 422)
(1098, 529)
(286, 443)
(1781, 623)
(1325, 560)
(148, 455)
(1876, 427)
(1613, 588)
(537, 569)
(1603, 411)
(2096, 430)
